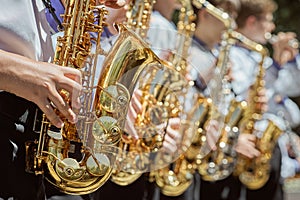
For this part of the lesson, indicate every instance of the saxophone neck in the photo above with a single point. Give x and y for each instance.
(185, 30)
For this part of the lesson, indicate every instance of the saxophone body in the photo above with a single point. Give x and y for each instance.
(157, 99)
(216, 165)
(254, 173)
(219, 164)
(175, 178)
(79, 158)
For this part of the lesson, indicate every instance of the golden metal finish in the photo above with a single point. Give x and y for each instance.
(138, 16)
(174, 179)
(254, 173)
(131, 161)
(78, 159)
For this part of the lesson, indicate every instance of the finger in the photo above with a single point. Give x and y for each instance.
(174, 122)
(72, 73)
(129, 124)
(161, 127)
(62, 106)
(250, 137)
(169, 145)
(174, 134)
(136, 104)
(138, 94)
(71, 86)
(255, 152)
(73, 80)
(252, 152)
(211, 141)
(50, 113)
(132, 113)
(170, 140)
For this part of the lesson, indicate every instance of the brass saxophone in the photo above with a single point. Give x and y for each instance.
(216, 165)
(77, 159)
(134, 157)
(131, 163)
(219, 164)
(175, 178)
(254, 173)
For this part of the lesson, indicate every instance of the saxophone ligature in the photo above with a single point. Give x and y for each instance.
(78, 158)
(254, 173)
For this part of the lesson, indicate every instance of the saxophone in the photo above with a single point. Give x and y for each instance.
(254, 173)
(216, 165)
(219, 164)
(131, 163)
(157, 99)
(72, 158)
(79, 159)
(175, 178)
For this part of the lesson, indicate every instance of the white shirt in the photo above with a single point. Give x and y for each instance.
(26, 31)
(161, 34)
(244, 70)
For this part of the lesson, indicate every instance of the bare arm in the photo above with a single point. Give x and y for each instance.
(40, 83)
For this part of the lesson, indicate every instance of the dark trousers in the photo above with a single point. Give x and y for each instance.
(15, 181)
(228, 189)
(272, 190)
(139, 190)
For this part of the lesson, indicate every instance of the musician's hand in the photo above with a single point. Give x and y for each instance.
(41, 83)
(212, 133)
(284, 51)
(246, 145)
(172, 138)
(134, 108)
(261, 100)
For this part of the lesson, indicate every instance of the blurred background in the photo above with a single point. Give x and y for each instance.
(287, 18)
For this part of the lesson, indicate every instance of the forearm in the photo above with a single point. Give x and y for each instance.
(12, 70)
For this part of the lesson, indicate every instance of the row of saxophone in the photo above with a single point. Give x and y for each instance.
(79, 159)
(238, 117)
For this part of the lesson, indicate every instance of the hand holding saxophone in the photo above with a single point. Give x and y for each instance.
(172, 136)
(261, 99)
(285, 46)
(170, 132)
(212, 133)
(134, 108)
(40, 83)
(246, 146)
